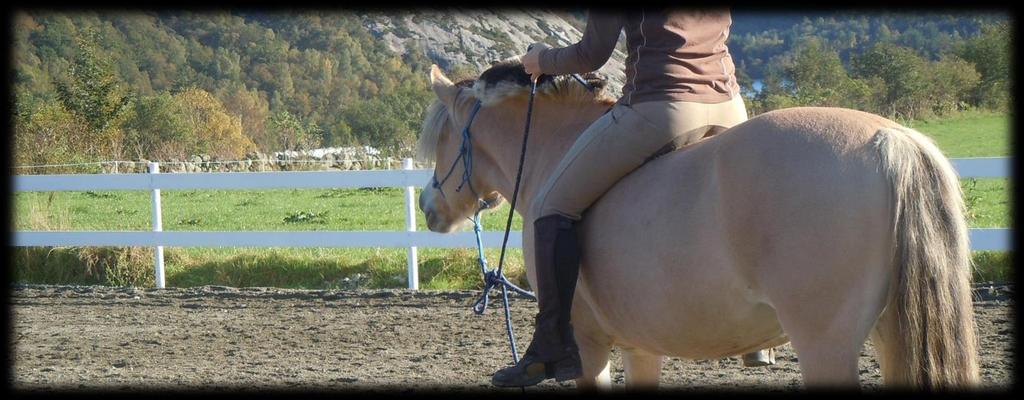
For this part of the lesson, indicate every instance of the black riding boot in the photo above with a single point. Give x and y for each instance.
(552, 352)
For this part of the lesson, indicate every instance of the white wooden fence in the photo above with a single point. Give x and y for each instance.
(981, 238)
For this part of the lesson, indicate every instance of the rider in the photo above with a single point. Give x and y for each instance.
(680, 81)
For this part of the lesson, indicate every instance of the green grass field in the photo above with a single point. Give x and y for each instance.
(972, 134)
(359, 209)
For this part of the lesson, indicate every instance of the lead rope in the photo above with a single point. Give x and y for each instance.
(496, 277)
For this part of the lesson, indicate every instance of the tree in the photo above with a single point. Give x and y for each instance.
(327, 70)
(156, 129)
(291, 133)
(904, 75)
(211, 129)
(340, 135)
(254, 110)
(390, 122)
(815, 75)
(952, 82)
(811, 75)
(990, 54)
(91, 91)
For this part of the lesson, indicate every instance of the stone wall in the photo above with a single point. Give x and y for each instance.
(339, 159)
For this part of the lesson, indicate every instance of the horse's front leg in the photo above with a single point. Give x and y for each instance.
(595, 348)
(642, 369)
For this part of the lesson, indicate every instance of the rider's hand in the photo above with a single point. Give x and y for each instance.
(531, 60)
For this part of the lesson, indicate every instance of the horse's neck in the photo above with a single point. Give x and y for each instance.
(554, 129)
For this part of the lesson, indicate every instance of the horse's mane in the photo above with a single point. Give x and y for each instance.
(506, 80)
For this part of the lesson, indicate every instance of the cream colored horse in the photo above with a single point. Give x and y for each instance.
(815, 226)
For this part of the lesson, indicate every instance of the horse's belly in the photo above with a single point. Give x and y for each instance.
(709, 315)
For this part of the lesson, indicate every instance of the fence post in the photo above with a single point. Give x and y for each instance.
(158, 226)
(410, 226)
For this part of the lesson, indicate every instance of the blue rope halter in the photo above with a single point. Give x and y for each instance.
(466, 155)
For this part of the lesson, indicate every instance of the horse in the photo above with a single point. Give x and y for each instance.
(815, 226)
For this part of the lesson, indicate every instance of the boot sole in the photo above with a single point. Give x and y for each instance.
(530, 382)
(563, 378)
(566, 374)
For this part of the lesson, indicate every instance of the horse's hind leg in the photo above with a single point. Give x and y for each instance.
(827, 325)
(825, 364)
(643, 369)
(892, 358)
(825, 264)
(828, 322)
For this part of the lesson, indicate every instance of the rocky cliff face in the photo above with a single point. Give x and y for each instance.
(478, 37)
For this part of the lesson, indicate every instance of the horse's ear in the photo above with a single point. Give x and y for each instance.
(443, 87)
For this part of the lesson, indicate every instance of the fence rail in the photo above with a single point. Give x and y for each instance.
(223, 180)
(408, 178)
(262, 239)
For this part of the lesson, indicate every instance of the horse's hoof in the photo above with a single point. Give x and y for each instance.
(760, 358)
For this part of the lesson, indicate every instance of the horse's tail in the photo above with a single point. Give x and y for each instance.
(928, 326)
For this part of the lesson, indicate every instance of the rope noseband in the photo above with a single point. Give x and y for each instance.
(466, 155)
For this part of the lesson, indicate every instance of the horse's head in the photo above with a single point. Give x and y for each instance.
(473, 133)
(454, 193)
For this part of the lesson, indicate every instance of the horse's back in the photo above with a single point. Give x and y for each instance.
(805, 131)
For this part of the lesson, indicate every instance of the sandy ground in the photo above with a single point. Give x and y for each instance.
(218, 338)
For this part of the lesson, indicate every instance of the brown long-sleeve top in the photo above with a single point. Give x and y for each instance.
(673, 55)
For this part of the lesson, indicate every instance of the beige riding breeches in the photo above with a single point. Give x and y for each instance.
(619, 142)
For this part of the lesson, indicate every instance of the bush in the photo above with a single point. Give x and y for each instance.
(952, 82)
(905, 77)
(990, 54)
(47, 136)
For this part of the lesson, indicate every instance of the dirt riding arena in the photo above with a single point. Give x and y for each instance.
(76, 337)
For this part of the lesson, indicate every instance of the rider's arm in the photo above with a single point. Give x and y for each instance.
(591, 52)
